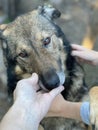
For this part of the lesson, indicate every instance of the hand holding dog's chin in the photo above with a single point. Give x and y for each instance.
(29, 107)
(22, 114)
(38, 103)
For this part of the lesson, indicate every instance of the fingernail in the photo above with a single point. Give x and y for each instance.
(34, 74)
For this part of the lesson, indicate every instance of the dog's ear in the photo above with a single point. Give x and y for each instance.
(2, 28)
(49, 12)
(2, 37)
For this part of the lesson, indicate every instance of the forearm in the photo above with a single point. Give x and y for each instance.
(66, 109)
(18, 118)
(71, 110)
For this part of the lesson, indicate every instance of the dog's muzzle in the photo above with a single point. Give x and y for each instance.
(51, 80)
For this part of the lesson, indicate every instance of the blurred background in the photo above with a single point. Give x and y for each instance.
(75, 13)
(74, 21)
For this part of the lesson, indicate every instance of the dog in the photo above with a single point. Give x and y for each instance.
(92, 28)
(33, 42)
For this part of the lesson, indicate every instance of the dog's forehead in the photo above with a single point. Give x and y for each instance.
(29, 24)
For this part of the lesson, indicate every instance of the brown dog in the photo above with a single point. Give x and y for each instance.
(35, 43)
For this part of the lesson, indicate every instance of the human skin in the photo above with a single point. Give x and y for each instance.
(85, 55)
(29, 106)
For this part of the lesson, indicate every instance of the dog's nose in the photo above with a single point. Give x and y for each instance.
(50, 80)
(56, 14)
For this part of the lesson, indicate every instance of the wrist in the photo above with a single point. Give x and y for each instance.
(85, 112)
(27, 116)
(19, 117)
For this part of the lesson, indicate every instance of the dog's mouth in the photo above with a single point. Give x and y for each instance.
(42, 87)
(52, 81)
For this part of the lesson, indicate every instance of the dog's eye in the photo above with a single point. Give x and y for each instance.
(46, 41)
(23, 54)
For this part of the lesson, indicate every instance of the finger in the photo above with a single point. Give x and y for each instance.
(53, 93)
(33, 80)
(76, 53)
(77, 47)
(79, 60)
(80, 54)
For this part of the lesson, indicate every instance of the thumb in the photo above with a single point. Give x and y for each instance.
(53, 93)
(33, 80)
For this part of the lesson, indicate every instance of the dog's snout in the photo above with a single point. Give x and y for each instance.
(56, 14)
(50, 80)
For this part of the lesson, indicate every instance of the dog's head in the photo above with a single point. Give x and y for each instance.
(34, 43)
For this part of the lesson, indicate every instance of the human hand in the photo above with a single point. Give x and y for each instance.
(85, 55)
(37, 103)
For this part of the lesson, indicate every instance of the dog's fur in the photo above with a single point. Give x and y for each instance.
(34, 43)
